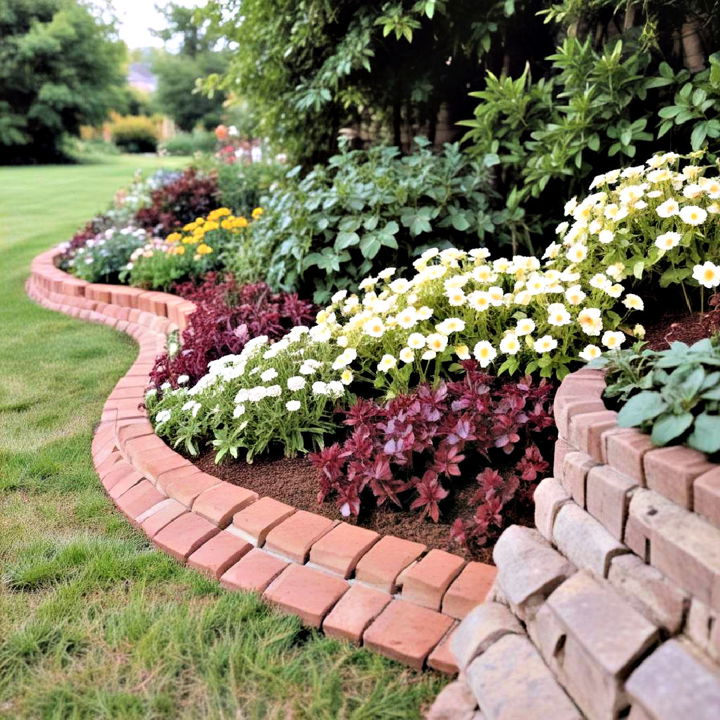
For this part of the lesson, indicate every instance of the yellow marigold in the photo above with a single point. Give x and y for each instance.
(211, 225)
(190, 226)
(177, 250)
(203, 249)
(227, 224)
(220, 212)
(187, 239)
(257, 212)
(240, 222)
(199, 232)
(173, 237)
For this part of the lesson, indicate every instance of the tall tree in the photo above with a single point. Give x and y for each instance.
(60, 68)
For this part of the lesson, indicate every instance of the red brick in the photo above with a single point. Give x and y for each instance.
(355, 610)
(219, 553)
(406, 632)
(254, 572)
(125, 479)
(105, 458)
(469, 589)
(138, 499)
(170, 511)
(153, 463)
(624, 451)
(99, 292)
(608, 498)
(109, 464)
(425, 582)
(185, 535)
(671, 471)
(442, 658)
(135, 447)
(305, 592)
(220, 502)
(381, 565)
(185, 485)
(124, 296)
(707, 497)
(586, 431)
(294, 536)
(133, 429)
(340, 550)
(574, 475)
(261, 517)
(562, 448)
(568, 406)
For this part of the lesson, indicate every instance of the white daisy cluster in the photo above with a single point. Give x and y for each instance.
(659, 216)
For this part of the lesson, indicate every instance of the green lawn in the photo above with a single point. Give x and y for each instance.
(94, 623)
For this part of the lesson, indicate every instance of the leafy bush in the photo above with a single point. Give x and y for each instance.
(418, 445)
(102, 257)
(241, 187)
(176, 203)
(659, 223)
(227, 316)
(198, 141)
(269, 396)
(185, 255)
(135, 134)
(674, 394)
(364, 211)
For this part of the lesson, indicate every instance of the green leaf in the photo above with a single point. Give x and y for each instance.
(370, 246)
(346, 239)
(705, 436)
(668, 427)
(640, 408)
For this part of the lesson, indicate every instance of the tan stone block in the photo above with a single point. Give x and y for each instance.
(576, 467)
(671, 471)
(549, 497)
(608, 497)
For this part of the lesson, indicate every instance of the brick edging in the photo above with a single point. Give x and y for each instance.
(388, 594)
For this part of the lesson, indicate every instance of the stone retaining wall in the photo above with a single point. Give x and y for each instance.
(609, 608)
(388, 594)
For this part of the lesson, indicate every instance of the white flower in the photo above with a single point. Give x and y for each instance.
(292, 405)
(668, 240)
(545, 344)
(590, 321)
(346, 376)
(374, 327)
(296, 382)
(606, 236)
(344, 359)
(428, 355)
(456, 297)
(400, 286)
(268, 375)
(575, 295)
(484, 353)
(558, 314)
(319, 388)
(407, 318)
(707, 274)
(562, 228)
(162, 417)
(309, 366)
(182, 379)
(613, 339)
(639, 331)
(577, 253)
(693, 215)
(387, 273)
(416, 341)
(524, 326)
(338, 296)
(615, 291)
(152, 392)
(510, 345)
(436, 342)
(386, 363)
(570, 206)
(462, 351)
(450, 325)
(425, 313)
(633, 302)
(407, 355)
(590, 352)
(239, 410)
(479, 300)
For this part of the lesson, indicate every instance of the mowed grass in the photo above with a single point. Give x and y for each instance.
(94, 623)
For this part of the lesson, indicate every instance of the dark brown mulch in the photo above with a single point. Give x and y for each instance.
(683, 326)
(293, 481)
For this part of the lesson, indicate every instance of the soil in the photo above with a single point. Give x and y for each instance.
(293, 481)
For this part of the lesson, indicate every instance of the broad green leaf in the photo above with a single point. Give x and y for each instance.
(640, 408)
(668, 427)
(705, 436)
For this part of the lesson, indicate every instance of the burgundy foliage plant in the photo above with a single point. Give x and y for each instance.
(173, 205)
(420, 446)
(227, 316)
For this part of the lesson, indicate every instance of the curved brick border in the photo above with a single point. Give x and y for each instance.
(386, 593)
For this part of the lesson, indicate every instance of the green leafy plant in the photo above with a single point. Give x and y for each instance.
(104, 256)
(365, 211)
(673, 394)
(134, 134)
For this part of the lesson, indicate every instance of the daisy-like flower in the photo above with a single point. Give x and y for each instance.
(386, 363)
(407, 318)
(576, 253)
(239, 411)
(462, 351)
(693, 215)
(374, 327)
(295, 383)
(416, 341)
(436, 342)
(613, 339)
(524, 327)
(639, 331)
(668, 240)
(162, 417)
(606, 236)
(558, 314)
(387, 273)
(590, 321)
(590, 352)
(707, 274)
(425, 313)
(669, 208)
(407, 355)
(456, 297)
(292, 405)
(483, 274)
(429, 355)
(479, 300)
(450, 325)
(510, 345)
(633, 302)
(575, 295)
(484, 353)
(711, 187)
(400, 286)
(268, 375)
(545, 344)
(346, 376)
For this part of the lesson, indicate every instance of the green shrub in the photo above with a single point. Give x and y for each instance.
(674, 394)
(242, 186)
(135, 134)
(199, 141)
(103, 257)
(364, 211)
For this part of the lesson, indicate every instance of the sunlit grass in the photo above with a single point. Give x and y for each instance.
(94, 623)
